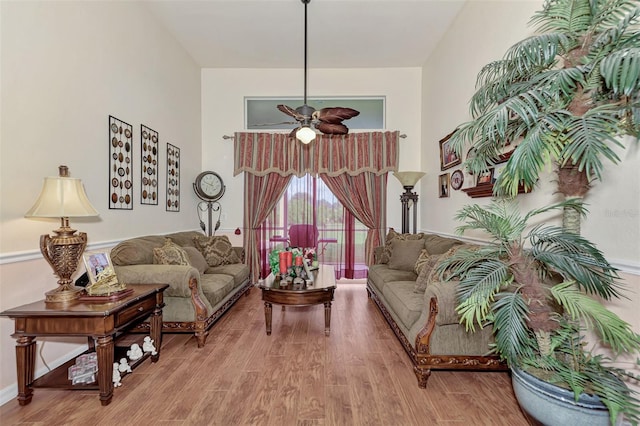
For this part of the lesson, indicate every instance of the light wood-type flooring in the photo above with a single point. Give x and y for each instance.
(359, 375)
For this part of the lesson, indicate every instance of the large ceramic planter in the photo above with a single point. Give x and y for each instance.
(552, 405)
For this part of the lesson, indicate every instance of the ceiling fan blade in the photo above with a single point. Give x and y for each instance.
(293, 132)
(332, 128)
(335, 115)
(291, 112)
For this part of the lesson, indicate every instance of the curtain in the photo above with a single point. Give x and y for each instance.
(354, 153)
(365, 196)
(261, 193)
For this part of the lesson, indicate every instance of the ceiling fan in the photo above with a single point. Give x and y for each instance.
(327, 120)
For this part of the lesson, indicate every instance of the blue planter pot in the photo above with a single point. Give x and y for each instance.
(553, 406)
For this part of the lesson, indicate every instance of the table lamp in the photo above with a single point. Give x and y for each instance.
(408, 198)
(62, 197)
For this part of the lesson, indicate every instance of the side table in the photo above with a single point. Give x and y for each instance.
(99, 321)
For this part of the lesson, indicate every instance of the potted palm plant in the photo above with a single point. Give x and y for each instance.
(567, 96)
(534, 287)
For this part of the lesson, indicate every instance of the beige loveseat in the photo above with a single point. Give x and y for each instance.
(421, 308)
(203, 285)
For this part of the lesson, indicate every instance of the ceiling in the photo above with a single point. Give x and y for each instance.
(341, 33)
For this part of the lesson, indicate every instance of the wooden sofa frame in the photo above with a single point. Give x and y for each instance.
(423, 362)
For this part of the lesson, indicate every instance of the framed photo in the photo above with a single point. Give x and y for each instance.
(485, 176)
(96, 262)
(448, 157)
(457, 179)
(443, 185)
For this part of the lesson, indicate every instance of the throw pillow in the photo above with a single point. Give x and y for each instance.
(404, 254)
(421, 261)
(392, 235)
(196, 259)
(170, 254)
(426, 273)
(216, 250)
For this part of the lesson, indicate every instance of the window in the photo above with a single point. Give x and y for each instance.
(262, 113)
(341, 237)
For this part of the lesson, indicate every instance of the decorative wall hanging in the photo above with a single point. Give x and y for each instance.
(443, 185)
(120, 164)
(448, 157)
(173, 178)
(148, 165)
(457, 179)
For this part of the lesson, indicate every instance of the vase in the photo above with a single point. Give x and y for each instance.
(552, 405)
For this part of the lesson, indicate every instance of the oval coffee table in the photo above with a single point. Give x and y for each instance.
(319, 291)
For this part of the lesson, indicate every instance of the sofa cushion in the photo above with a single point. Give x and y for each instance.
(196, 259)
(239, 272)
(404, 254)
(379, 275)
(426, 274)
(393, 235)
(216, 287)
(184, 238)
(436, 244)
(136, 251)
(422, 260)
(405, 304)
(216, 250)
(170, 254)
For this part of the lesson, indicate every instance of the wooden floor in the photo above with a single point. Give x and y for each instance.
(359, 375)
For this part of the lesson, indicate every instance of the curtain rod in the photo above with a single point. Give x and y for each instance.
(403, 136)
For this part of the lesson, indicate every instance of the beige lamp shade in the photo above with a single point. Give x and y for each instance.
(408, 178)
(62, 197)
(305, 134)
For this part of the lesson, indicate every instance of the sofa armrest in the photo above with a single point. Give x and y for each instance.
(177, 276)
(377, 255)
(445, 294)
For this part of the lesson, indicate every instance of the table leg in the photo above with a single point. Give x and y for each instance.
(105, 368)
(25, 364)
(268, 309)
(156, 331)
(327, 317)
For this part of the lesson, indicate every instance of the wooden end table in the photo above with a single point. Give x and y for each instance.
(321, 291)
(99, 321)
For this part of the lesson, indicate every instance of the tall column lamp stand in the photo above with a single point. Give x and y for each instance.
(408, 198)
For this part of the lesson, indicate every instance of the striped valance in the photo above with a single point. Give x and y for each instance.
(354, 153)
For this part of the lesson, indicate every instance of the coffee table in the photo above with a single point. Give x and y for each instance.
(319, 291)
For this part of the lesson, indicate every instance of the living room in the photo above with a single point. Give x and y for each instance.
(68, 66)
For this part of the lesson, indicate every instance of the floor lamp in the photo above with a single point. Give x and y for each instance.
(407, 198)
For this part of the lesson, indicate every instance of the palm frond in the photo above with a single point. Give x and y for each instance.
(569, 16)
(575, 258)
(621, 71)
(588, 138)
(501, 220)
(511, 332)
(457, 264)
(612, 330)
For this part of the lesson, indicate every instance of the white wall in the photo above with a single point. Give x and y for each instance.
(223, 92)
(482, 32)
(65, 67)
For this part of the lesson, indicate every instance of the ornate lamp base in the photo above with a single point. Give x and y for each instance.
(63, 252)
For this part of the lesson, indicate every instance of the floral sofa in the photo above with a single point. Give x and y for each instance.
(206, 276)
(420, 308)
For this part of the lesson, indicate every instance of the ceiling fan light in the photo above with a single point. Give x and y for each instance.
(305, 134)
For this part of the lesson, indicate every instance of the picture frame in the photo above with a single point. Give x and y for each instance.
(485, 176)
(457, 179)
(96, 262)
(443, 185)
(448, 157)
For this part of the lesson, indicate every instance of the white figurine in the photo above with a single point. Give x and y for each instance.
(147, 346)
(124, 366)
(135, 352)
(116, 375)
